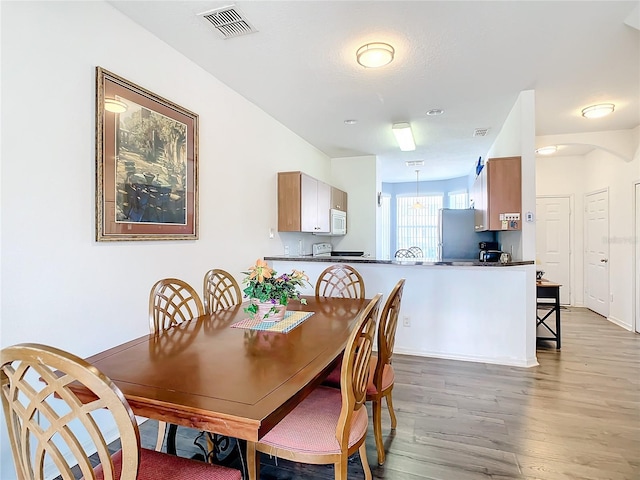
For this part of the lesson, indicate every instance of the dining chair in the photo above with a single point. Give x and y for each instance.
(417, 252)
(382, 376)
(404, 253)
(49, 426)
(171, 302)
(340, 281)
(220, 291)
(329, 425)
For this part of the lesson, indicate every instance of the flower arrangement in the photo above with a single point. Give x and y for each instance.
(264, 286)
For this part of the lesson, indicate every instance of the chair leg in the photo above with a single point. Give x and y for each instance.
(365, 462)
(340, 468)
(377, 429)
(253, 461)
(392, 414)
(162, 428)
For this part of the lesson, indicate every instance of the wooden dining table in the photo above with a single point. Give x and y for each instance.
(206, 374)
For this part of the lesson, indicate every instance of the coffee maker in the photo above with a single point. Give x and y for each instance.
(489, 252)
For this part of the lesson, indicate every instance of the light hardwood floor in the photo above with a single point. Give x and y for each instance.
(575, 416)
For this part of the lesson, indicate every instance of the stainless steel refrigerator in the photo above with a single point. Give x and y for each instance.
(458, 239)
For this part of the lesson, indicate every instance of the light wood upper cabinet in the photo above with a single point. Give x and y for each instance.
(303, 203)
(497, 195)
(338, 199)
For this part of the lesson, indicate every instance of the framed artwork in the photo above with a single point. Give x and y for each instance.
(146, 164)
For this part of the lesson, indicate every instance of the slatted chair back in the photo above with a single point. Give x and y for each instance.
(354, 375)
(387, 327)
(48, 423)
(172, 301)
(221, 291)
(404, 253)
(340, 281)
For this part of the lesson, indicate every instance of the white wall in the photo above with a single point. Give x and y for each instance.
(59, 286)
(615, 165)
(358, 177)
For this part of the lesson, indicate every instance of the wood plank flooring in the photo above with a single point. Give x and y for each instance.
(575, 416)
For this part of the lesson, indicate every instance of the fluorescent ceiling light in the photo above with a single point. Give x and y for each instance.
(115, 106)
(547, 150)
(374, 55)
(404, 136)
(597, 111)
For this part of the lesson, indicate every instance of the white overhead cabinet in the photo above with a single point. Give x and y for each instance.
(303, 203)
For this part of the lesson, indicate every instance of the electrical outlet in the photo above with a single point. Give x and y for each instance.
(406, 321)
(286, 250)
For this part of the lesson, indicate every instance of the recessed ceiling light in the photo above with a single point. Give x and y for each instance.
(350, 121)
(597, 111)
(435, 111)
(374, 55)
(547, 150)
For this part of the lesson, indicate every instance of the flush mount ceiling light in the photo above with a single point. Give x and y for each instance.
(547, 150)
(597, 111)
(114, 105)
(404, 136)
(374, 55)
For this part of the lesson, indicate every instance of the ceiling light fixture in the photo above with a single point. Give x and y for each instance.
(114, 105)
(597, 111)
(404, 136)
(435, 112)
(417, 204)
(350, 121)
(547, 150)
(374, 55)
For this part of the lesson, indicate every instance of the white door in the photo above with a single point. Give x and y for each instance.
(553, 247)
(637, 267)
(597, 252)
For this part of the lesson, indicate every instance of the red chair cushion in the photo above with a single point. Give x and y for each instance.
(388, 377)
(161, 466)
(311, 426)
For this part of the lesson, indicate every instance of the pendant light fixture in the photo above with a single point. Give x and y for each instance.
(417, 204)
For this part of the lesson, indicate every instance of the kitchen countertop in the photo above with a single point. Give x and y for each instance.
(418, 262)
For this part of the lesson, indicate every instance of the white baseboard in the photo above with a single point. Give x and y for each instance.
(620, 323)
(511, 362)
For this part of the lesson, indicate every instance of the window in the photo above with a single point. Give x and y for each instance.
(458, 200)
(418, 227)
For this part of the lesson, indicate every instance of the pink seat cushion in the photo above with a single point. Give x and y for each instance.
(161, 466)
(388, 377)
(311, 426)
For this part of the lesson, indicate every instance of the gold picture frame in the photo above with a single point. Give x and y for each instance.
(146, 164)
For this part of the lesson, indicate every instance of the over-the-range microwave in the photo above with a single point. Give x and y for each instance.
(337, 223)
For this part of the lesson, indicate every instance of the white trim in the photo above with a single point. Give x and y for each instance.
(635, 302)
(620, 323)
(469, 358)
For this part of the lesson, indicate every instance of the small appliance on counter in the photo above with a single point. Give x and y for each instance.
(489, 252)
(326, 250)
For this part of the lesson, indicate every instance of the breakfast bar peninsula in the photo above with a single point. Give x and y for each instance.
(461, 310)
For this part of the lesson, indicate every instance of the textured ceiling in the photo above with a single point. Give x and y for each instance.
(470, 59)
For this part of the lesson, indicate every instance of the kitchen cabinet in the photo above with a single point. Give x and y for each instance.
(497, 195)
(338, 199)
(303, 203)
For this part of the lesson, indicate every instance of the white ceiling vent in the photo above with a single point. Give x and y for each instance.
(480, 132)
(414, 163)
(229, 21)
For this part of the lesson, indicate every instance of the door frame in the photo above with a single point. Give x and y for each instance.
(572, 236)
(635, 307)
